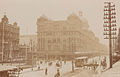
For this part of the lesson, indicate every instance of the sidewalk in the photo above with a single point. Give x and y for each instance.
(80, 73)
(113, 72)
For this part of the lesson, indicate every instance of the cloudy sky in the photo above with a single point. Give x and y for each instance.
(26, 12)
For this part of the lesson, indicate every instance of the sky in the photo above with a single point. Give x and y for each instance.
(26, 13)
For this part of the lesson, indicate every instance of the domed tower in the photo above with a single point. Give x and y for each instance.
(73, 17)
(83, 20)
(5, 19)
(15, 23)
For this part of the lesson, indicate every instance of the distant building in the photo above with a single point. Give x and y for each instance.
(24, 50)
(65, 37)
(29, 41)
(28, 46)
(9, 39)
(25, 39)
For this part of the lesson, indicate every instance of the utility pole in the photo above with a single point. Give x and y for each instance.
(3, 43)
(73, 50)
(114, 44)
(10, 55)
(26, 53)
(31, 50)
(109, 25)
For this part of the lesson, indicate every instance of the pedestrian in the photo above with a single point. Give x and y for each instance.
(61, 63)
(41, 62)
(39, 67)
(104, 64)
(46, 70)
(58, 73)
(64, 61)
(72, 66)
(32, 68)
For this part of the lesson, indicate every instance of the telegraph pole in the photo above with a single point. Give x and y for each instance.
(3, 44)
(10, 55)
(31, 50)
(26, 58)
(109, 25)
(114, 44)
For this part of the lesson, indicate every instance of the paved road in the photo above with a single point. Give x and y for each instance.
(67, 68)
(64, 71)
(51, 70)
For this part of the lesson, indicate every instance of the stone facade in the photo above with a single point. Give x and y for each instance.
(71, 35)
(9, 37)
(27, 39)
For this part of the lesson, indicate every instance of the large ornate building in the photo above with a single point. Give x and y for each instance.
(70, 35)
(9, 39)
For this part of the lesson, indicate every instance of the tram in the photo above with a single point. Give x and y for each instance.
(80, 61)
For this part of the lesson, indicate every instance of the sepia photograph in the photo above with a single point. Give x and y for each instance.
(59, 38)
